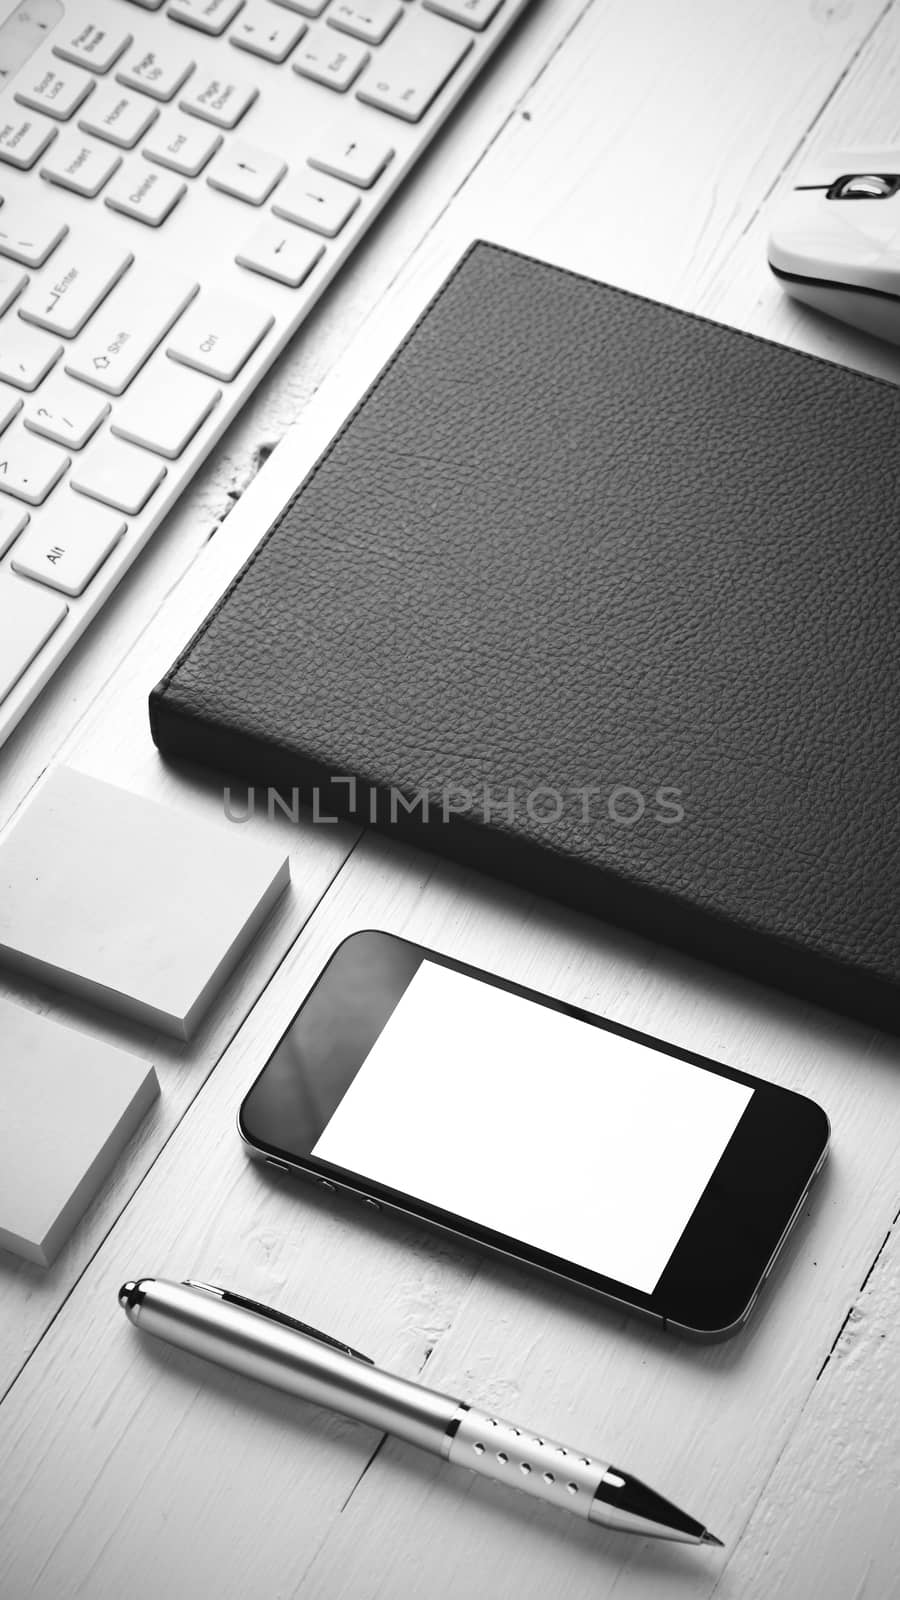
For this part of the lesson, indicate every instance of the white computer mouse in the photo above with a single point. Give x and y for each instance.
(835, 239)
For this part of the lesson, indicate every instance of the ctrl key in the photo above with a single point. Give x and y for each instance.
(28, 616)
(219, 334)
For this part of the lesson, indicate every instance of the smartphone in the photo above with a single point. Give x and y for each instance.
(657, 1178)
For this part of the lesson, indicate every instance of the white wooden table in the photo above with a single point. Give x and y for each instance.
(642, 143)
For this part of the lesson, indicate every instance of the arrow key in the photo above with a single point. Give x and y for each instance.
(315, 202)
(358, 157)
(268, 31)
(369, 20)
(279, 250)
(246, 172)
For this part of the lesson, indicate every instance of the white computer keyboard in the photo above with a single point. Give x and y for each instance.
(180, 181)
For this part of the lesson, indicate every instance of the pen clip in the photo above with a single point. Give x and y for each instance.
(280, 1317)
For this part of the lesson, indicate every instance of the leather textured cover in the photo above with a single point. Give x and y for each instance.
(572, 552)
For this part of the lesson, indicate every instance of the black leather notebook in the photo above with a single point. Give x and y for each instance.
(603, 598)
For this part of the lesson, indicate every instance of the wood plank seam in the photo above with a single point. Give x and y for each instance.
(371, 1461)
(429, 1351)
(853, 1312)
(838, 1336)
(804, 139)
(514, 110)
(544, 67)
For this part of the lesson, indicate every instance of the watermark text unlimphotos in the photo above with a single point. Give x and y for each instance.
(621, 804)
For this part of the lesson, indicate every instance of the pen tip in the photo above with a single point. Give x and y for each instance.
(710, 1538)
(125, 1293)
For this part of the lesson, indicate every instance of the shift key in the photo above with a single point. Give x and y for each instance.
(129, 326)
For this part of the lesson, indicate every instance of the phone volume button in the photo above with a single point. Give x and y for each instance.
(324, 1183)
(280, 1166)
(372, 1204)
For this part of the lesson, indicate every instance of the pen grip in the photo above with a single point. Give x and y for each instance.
(524, 1460)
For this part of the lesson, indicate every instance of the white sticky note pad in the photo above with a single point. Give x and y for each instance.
(68, 1106)
(589, 1146)
(129, 903)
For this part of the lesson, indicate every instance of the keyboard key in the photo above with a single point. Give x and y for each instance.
(326, 60)
(66, 412)
(316, 202)
(267, 31)
(66, 546)
(28, 616)
(118, 475)
(219, 100)
(26, 355)
(12, 520)
(74, 163)
(246, 172)
(137, 315)
(28, 467)
(414, 65)
(210, 16)
(10, 404)
(12, 282)
(471, 13)
(280, 251)
(26, 235)
(89, 44)
(357, 156)
(182, 144)
(57, 91)
(23, 139)
(306, 8)
(145, 194)
(64, 552)
(369, 20)
(165, 409)
(82, 276)
(219, 334)
(119, 118)
(159, 72)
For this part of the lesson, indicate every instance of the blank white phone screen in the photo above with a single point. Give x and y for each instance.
(577, 1142)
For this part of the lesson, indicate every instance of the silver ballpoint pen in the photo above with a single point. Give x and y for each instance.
(276, 1350)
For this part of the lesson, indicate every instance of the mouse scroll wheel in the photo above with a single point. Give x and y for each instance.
(864, 186)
